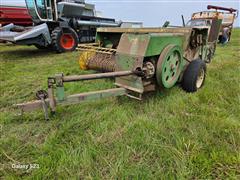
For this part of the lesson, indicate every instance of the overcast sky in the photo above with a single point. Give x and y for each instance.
(151, 12)
(156, 12)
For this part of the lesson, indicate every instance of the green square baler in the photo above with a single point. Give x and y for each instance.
(140, 60)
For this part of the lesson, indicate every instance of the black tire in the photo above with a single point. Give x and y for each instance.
(229, 36)
(57, 44)
(224, 38)
(191, 81)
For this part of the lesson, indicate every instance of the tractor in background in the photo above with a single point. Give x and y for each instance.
(59, 25)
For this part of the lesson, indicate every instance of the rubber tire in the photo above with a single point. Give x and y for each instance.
(56, 36)
(189, 82)
(224, 39)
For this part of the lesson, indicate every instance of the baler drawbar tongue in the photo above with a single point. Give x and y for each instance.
(49, 100)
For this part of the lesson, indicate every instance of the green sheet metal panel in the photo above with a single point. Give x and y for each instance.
(130, 55)
(134, 47)
(158, 41)
(131, 82)
(60, 93)
(78, 98)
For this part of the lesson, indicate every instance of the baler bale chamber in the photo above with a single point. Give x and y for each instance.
(140, 60)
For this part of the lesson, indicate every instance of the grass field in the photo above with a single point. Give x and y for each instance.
(170, 135)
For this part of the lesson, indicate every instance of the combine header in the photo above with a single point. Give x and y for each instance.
(142, 60)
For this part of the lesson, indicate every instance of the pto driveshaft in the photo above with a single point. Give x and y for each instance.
(96, 76)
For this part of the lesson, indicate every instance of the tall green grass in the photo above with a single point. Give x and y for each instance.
(171, 134)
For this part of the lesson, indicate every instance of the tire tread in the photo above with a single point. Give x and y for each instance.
(191, 74)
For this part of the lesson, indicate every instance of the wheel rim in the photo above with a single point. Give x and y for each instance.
(200, 78)
(67, 41)
(169, 66)
(170, 69)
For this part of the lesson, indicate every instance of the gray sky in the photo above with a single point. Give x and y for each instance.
(156, 12)
(150, 12)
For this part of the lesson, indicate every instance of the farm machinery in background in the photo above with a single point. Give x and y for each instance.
(140, 59)
(60, 25)
(228, 15)
(14, 12)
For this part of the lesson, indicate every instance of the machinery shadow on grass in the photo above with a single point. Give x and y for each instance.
(26, 53)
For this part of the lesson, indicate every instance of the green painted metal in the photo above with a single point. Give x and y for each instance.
(125, 62)
(159, 41)
(108, 44)
(131, 82)
(130, 56)
(170, 69)
(78, 98)
(60, 94)
(132, 50)
(204, 52)
(169, 66)
(73, 99)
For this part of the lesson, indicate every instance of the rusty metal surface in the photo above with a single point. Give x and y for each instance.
(221, 8)
(31, 106)
(133, 44)
(96, 76)
(226, 17)
(145, 30)
(96, 49)
(73, 99)
(207, 15)
(94, 95)
(130, 55)
(102, 62)
(214, 30)
(97, 58)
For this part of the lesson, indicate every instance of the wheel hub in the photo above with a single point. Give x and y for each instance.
(200, 78)
(67, 41)
(168, 68)
(149, 69)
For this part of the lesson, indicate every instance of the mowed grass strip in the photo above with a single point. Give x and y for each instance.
(171, 134)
